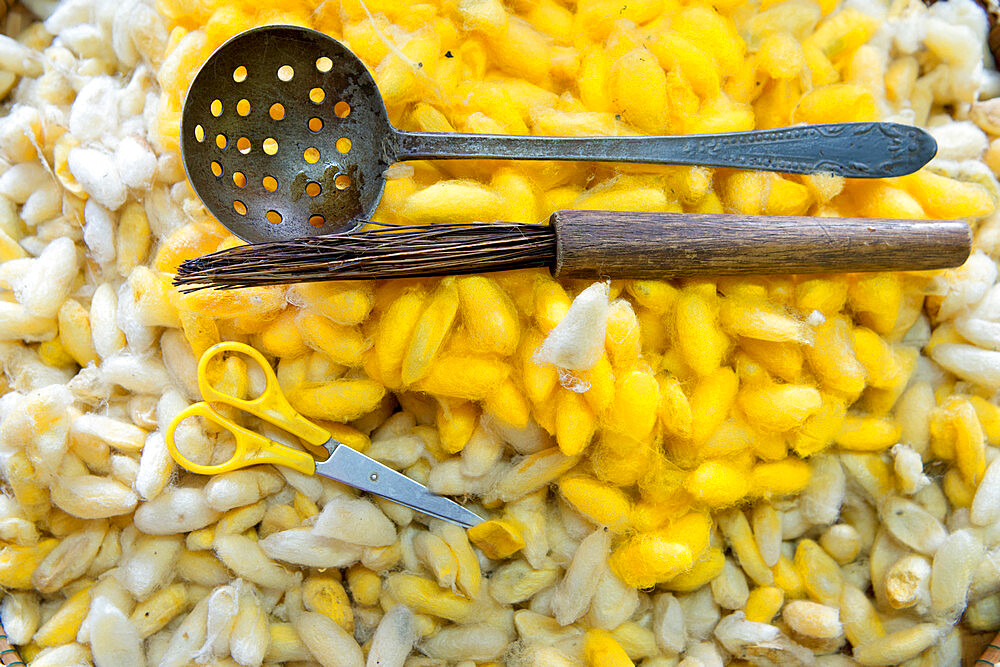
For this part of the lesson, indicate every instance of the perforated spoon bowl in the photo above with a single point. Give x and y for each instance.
(284, 134)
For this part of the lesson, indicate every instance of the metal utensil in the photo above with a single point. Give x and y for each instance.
(284, 134)
(344, 464)
(593, 245)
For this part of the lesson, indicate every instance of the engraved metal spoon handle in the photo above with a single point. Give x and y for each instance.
(856, 150)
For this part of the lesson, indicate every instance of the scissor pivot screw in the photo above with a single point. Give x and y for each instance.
(373, 477)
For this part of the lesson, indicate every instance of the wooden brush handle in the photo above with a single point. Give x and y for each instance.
(595, 244)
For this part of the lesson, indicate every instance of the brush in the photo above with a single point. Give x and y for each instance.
(592, 244)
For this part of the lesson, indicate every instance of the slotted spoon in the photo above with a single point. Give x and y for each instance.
(284, 134)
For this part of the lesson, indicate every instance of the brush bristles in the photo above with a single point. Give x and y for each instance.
(386, 251)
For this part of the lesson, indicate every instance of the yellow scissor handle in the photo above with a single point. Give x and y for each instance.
(271, 405)
(251, 448)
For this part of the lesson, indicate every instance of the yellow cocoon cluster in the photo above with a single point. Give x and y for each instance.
(705, 395)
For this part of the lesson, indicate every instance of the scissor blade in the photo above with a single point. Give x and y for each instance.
(355, 469)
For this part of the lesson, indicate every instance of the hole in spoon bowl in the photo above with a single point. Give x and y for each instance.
(285, 73)
(243, 107)
(317, 95)
(342, 109)
(315, 124)
(243, 145)
(240, 207)
(313, 189)
(270, 183)
(317, 220)
(342, 181)
(216, 169)
(239, 179)
(311, 155)
(324, 64)
(277, 111)
(343, 144)
(240, 74)
(216, 108)
(273, 217)
(270, 146)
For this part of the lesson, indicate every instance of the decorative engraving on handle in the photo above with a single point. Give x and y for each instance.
(856, 150)
(899, 143)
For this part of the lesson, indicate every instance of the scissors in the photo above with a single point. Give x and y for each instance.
(344, 464)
